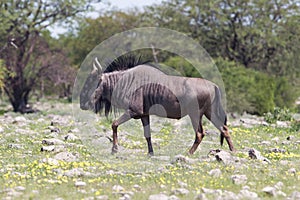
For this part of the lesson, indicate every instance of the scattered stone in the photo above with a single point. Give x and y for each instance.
(125, 197)
(290, 137)
(246, 194)
(215, 172)
(207, 190)
(228, 195)
(66, 156)
(20, 188)
(102, 197)
(54, 129)
(75, 130)
(276, 150)
(266, 143)
(239, 179)
(254, 154)
(71, 137)
(270, 191)
(283, 124)
(16, 146)
(180, 191)
(118, 188)
(75, 172)
(52, 141)
(137, 187)
(1, 130)
(48, 148)
(80, 184)
(200, 197)
(51, 161)
(181, 159)
(182, 184)
(225, 157)
(19, 119)
(279, 185)
(292, 171)
(276, 140)
(173, 197)
(295, 195)
(158, 197)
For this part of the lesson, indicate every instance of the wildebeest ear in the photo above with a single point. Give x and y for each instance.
(97, 66)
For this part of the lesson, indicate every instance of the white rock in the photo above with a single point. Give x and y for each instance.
(137, 187)
(180, 191)
(283, 124)
(51, 161)
(125, 197)
(20, 119)
(20, 188)
(118, 188)
(215, 172)
(279, 185)
(200, 197)
(246, 194)
(75, 172)
(48, 148)
(52, 141)
(66, 156)
(295, 195)
(102, 197)
(173, 197)
(1, 129)
(71, 137)
(270, 191)
(158, 197)
(292, 171)
(225, 157)
(239, 179)
(80, 184)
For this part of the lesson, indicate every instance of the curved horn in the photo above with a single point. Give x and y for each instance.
(98, 64)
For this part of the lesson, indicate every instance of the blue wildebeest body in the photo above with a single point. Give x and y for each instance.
(144, 90)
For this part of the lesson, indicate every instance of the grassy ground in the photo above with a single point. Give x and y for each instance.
(29, 173)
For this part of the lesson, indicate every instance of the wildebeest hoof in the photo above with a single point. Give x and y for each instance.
(114, 149)
(150, 154)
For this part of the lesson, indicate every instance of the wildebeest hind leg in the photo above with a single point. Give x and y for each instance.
(225, 134)
(197, 125)
(124, 118)
(147, 133)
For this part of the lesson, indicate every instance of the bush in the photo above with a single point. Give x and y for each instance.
(278, 114)
(246, 89)
(182, 66)
(285, 93)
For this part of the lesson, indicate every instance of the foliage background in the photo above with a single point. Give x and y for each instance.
(255, 44)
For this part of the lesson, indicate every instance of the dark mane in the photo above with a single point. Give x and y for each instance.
(125, 62)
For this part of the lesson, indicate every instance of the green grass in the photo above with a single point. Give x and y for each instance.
(131, 166)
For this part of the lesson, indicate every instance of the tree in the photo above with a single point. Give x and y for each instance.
(26, 54)
(92, 32)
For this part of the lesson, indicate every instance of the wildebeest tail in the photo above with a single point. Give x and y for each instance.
(219, 117)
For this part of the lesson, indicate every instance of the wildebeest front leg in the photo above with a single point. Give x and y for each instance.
(124, 118)
(147, 133)
(197, 125)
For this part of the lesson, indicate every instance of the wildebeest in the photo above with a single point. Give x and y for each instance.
(143, 90)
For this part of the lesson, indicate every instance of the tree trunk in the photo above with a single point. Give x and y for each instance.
(20, 101)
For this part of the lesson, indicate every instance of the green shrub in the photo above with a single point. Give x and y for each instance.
(285, 95)
(278, 114)
(246, 89)
(182, 66)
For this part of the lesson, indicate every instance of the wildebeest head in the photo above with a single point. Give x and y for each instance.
(90, 85)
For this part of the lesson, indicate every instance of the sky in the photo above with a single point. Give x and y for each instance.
(108, 5)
